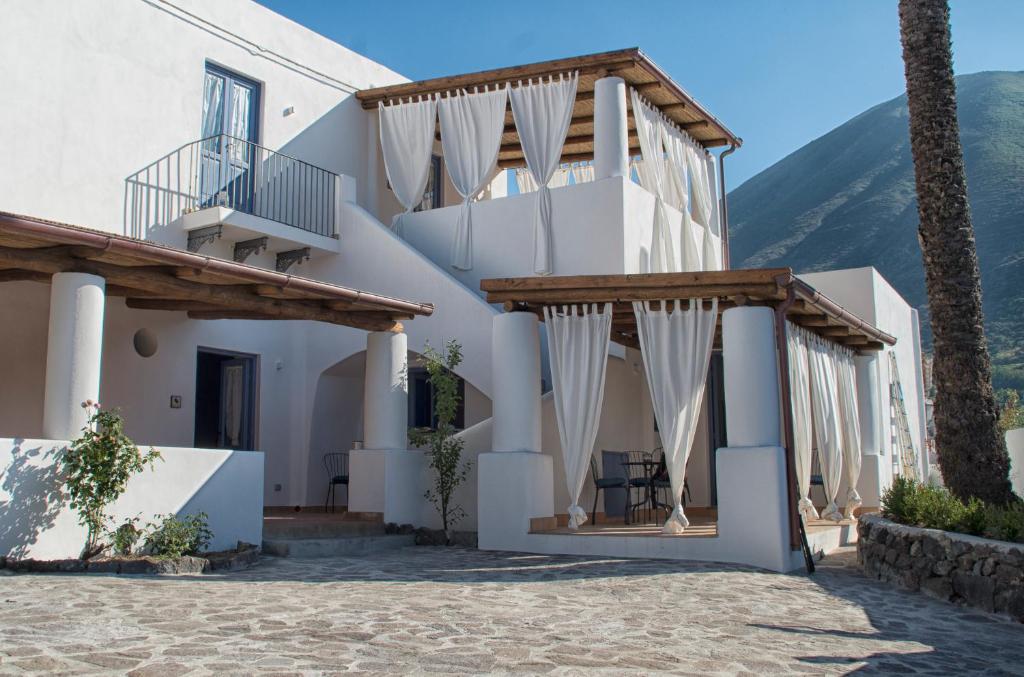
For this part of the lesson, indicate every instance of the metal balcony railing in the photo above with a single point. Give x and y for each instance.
(224, 171)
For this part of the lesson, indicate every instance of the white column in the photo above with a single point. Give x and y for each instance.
(515, 369)
(611, 139)
(750, 367)
(74, 348)
(385, 391)
(869, 406)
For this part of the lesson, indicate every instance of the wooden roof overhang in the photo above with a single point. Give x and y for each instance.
(632, 65)
(774, 287)
(151, 276)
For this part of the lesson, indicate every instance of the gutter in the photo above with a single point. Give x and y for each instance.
(162, 254)
(726, 264)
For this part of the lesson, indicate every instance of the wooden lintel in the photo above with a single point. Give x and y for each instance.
(149, 303)
(17, 275)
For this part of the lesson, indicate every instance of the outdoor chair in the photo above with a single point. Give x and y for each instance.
(602, 483)
(637, 468)
(336, 464)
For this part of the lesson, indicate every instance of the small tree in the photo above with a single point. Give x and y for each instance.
(444, 448)
(97, 467)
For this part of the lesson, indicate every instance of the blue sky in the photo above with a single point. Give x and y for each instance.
(778, 73)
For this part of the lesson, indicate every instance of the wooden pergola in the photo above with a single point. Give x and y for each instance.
(632, 65)
(152, 276)
(775, 287)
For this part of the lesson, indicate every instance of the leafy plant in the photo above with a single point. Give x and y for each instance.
(444, 448)
(124, 537)
(97, 466)
(915, 504)
(1011, 413)
(175, 536)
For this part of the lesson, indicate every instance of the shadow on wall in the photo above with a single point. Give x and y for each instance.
(35, 497)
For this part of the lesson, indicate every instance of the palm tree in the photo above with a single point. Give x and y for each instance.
(971, 449)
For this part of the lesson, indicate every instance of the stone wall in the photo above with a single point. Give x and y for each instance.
(953, 567)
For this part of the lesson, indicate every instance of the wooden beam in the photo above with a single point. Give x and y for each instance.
(569, 141)
(17, 275)
(149, 303)
(237, 297)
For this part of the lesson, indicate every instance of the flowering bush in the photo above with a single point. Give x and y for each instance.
(97, 467)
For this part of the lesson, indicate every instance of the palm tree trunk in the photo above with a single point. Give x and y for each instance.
(971, 450)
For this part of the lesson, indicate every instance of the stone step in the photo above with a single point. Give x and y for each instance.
(825, 538)
(318, 526)
(353, 546)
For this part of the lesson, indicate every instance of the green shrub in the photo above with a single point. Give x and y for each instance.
(915, 504)
(124, 538)
(174, 537)
(97, 467)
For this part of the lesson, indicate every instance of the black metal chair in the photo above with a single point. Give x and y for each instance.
(662, 485)
(602, 483)
(636, 468)
(336, 464)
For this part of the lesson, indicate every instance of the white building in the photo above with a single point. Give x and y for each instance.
(244, 144)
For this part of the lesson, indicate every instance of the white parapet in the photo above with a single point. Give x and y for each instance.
(516, 379)
(750, 368)
(611, 141)
(74, 350)
(512, 488)
(385, 391)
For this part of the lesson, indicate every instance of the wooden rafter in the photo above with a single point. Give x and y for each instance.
(154, 277)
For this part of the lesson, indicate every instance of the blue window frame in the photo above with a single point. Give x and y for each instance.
(231, 104)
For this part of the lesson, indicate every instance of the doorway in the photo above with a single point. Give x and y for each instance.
(225, 400)
(230, 132)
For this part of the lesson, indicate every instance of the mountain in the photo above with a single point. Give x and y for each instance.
(847, 200)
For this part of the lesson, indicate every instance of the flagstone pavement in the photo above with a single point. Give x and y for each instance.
(426, 610)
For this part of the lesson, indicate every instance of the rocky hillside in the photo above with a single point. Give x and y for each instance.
(847, 200)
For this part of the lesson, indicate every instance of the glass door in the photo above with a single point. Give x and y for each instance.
(230, 134)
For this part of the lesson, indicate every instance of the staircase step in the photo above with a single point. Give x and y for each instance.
(353, 546)
(304, 525)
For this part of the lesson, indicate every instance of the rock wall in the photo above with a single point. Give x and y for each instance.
(953, 567)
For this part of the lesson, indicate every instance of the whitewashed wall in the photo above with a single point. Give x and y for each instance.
(98, 89)
(36, 522)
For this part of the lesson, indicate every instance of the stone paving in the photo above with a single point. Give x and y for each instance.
(448, 610)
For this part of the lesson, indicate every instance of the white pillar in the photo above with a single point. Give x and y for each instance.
(385, 391)
(74, 348)
(515, 369)
(869, 405)
(611, 136)
(750, 366)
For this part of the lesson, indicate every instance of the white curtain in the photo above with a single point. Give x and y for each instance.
(471, 129)
(713, 232)
(800, 401)
(524, 181)
(542, 112)
(583, 173)
(652, 177)
(578, 349)
(847, 377)
(560, 177)
(827, 425)
(680, 146)
(676, 348)
(407, 141)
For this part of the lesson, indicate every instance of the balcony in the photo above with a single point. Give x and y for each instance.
(236, 199)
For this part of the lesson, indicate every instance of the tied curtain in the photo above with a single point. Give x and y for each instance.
(471, 129)
(407, 141)
(578, 349)
(652, 177)
(825, 410)
(713, 231)
(676, 349)
(583, 173)
(847, 377)
(800, 399)
(542, 112)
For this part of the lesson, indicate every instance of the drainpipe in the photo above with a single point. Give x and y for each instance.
(725, 204)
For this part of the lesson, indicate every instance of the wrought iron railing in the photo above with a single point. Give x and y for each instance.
(224, 171)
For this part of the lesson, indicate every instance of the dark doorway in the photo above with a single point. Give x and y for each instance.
(715, 395)
(225, 400)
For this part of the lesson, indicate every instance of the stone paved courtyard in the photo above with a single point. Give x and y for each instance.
(437, 610)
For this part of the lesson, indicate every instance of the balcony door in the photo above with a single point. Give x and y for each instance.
(230, 133)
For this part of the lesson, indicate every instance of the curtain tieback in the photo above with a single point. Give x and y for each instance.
(832, 512)
(676, 522)
(806, 509)
(577, 516)
(853, 501)
(398, 223)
